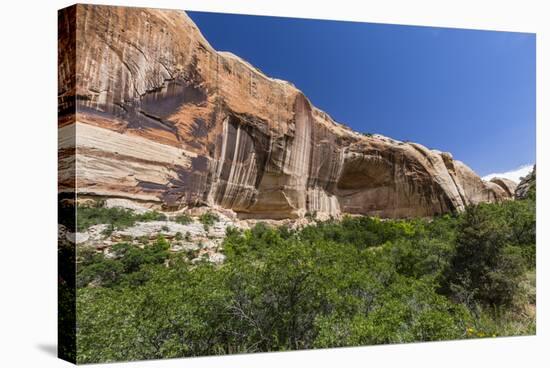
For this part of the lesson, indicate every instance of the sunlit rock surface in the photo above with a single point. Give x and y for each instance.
(508, 185)
(164, 119)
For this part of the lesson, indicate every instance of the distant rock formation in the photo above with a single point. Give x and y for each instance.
(526, 184)
(508, 185)
(163, 118)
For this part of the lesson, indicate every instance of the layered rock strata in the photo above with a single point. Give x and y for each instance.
(163, 118)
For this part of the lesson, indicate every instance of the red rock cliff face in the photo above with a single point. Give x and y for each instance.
(164, 118)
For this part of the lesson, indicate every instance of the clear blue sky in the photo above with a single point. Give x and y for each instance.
(471, 93)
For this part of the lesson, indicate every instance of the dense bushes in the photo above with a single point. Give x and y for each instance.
(117, 218)
(126, 263)
(489, 259)
(355, 282)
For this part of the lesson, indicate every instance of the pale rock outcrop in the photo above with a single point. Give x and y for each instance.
(164, 119)
(136, 207)
(77, 238)
(197, 241)
(155, 228)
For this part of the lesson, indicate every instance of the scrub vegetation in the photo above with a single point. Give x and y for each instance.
(358, 281)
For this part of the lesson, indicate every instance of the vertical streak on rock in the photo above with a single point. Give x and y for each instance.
(224, 146)
(301, 152)
(234, 160)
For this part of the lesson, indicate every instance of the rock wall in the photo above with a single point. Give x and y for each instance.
(164, 118)
(525, 185)
(508, 185)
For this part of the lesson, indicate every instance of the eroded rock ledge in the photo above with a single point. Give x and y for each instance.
(163, 118)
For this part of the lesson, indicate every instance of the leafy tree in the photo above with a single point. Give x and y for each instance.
(485, 268)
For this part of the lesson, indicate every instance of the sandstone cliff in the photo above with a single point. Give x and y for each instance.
(162, 117)
(508, 185)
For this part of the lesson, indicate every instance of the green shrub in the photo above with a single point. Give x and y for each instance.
(208, 219)
(151, 216)
(118, 218)
(183, 219)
